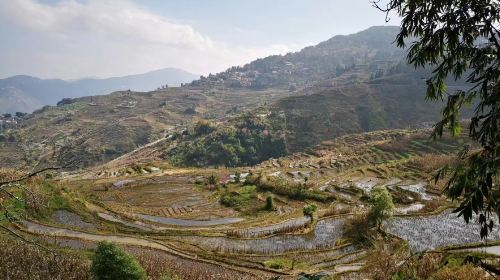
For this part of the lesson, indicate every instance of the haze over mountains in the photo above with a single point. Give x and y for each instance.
(372, 47)
(25, 93)
(347, 84)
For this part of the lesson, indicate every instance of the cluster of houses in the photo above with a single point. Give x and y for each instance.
(253, 75)
(8, 121)
(233, 178)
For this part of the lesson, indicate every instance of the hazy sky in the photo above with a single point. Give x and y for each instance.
(101, 38)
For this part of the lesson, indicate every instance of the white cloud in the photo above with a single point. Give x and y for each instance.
(112, 37)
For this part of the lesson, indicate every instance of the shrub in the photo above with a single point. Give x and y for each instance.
(203, 127)
(398, 145)
(237, 177)
(309, 210)
(212, 180)
(288, 189)
(237, 199)
(382, 205)
(284, 264)
(112, 263)
(269, 203)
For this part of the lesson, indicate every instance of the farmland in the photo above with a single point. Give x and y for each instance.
(184, 213)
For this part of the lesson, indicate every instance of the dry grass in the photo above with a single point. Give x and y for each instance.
(397, 145)
(428, 264)
(432, 162)
(334, 211)
(357, 228)
(279, 229)
(383, 265)
(464, 272)
(24, 261)
(158, 265)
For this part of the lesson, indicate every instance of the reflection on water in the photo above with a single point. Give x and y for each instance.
(188, 223)
(325, 235)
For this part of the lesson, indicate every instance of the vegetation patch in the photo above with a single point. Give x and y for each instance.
(247, 141)
(291, 190)
(239, 198)
(285, 264)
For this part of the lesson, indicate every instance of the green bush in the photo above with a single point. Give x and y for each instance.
(288, 189)
(203, 127)
(269, 203)
(246, 142)
(239, 198)
(283, 264)
(110, 262)
(382, 205)
(309, 210)
(212, 179)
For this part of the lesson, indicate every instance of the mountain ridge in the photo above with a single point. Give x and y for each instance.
(41, 92)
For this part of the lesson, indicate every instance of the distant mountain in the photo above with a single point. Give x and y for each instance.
(26, 93)
(345, 85)
(313, 64)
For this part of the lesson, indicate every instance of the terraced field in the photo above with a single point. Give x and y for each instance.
(228, 224)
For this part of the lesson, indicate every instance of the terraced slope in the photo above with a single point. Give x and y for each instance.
(224, 223)
(112, 125)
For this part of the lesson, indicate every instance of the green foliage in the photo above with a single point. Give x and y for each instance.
(247, 142)
(203, 127)
(58, 202)
(237, 177)
(112, 263)
(382, 205)
(212, 179)
(269, 203)
(461, 38)
(284, 264)
(237, 199)
(309, 210)
(291, 190)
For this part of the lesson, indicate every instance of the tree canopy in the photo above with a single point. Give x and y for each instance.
(382, 205)
(461, 40)
(110, 263)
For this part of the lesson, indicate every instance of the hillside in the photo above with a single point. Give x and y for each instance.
(114, 124)
(357, 103)
(324, 61)
(26, 93)
(389, 102)
(378, 91)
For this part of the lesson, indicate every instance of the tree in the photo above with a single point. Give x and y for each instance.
(461, 39)
(110, 263)
(212, 179)
(203, 127)
(382, 205)
(269, 203)
(309, 210)
(237, 177)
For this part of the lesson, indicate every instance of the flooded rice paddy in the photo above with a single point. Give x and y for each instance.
(272, 229)
(188, 223)
(71, 219)
(430, 232)
(325, 235)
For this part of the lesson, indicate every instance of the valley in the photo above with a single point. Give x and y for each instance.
(264, 171)
(182, 213)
